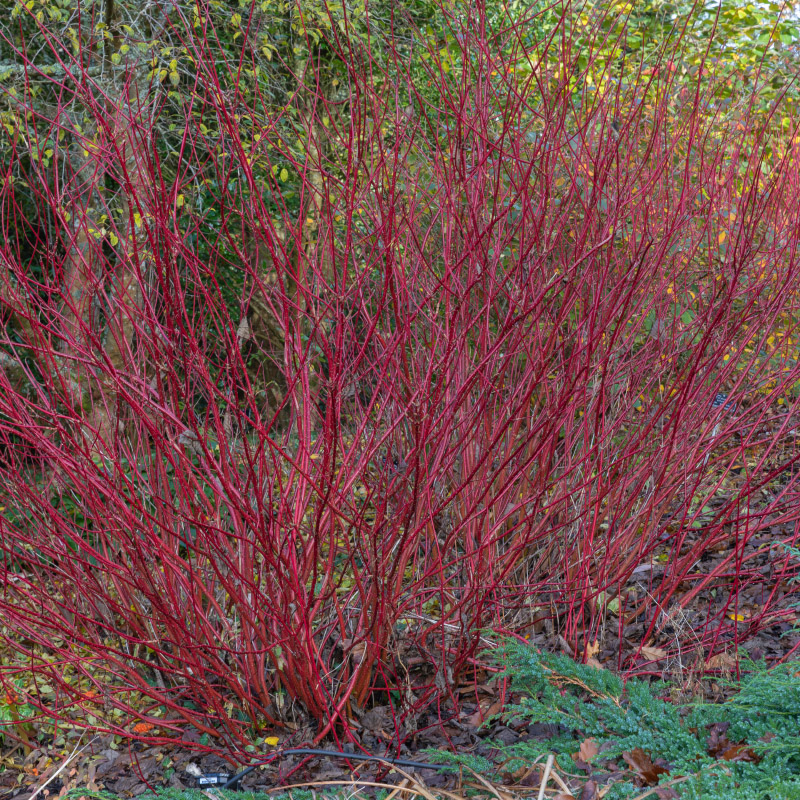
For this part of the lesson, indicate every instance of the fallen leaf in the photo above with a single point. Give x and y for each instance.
(643, 766)
(592, 649)
(143, 727)
(588, 749)
(531, 777)
(91, 773)
(589, 791)
(667, 793)
(563, 796)
(721, 661)
(565, 646)
(740, 752)
(486, 709)
(653, 653)
(593, 662)
(717, 741)
(720, 746)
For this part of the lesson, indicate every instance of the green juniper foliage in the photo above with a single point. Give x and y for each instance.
(583, 702)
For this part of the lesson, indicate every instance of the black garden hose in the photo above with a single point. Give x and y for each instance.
(307, 751)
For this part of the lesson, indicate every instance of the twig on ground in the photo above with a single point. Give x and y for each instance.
(489, 786)
(654, 789)
(355, 782)
(546, 777)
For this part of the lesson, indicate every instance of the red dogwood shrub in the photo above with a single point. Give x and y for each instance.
(302, 390)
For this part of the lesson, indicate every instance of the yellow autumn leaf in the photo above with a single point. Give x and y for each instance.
(272, 741)
(722, 237)
(284, 174)
(736, 617)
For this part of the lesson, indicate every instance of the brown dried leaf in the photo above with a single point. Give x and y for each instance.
(565, 646)
(643, 766)
(486, 709)
(717, 741)
(653, 653)
(532, 777)
(588, 749)
(721, 661)
(667, 793)
(740, 752)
